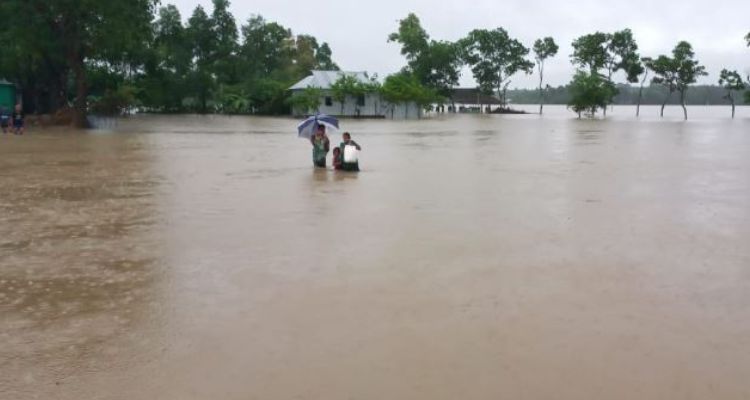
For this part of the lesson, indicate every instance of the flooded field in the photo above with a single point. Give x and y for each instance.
(474, 257)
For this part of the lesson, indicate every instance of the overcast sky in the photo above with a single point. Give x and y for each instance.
(357, 31)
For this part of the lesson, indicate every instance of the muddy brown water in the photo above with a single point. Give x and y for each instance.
(474, 257)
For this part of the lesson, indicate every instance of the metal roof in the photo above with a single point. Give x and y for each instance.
(325, 79)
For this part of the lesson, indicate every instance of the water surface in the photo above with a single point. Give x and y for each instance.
(478, 257)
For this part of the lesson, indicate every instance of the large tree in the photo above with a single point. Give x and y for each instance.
(543, 49)
(83, 32)
(605, 54)
(731, 81)
(201, 32)
(163, 82)
(494, 58)
(224, 57)
(436, 64)
(678, 72)
(590, 92)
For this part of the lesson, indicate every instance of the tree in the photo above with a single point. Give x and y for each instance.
(608, 52)
(405, 88)
(81, 33)
(591, 51)
(306, 101)
(590, 92)
(224, 55)
(33, 57)
(347, 85)
(731, 81)
(678, 72)
(413, 38)
(644, 68)
(201, 33)
(436, 64)
(163, 81)
(543, 49)
(323, 58)
(494, 58)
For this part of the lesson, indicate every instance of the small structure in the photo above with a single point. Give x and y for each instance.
(370, 105)
(473, 101)
(7, 95)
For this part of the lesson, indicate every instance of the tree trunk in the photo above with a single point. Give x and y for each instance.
(731, 98)
(640, 95)
(664, 104)
(682, 102)
(79, 105)
(541, 88)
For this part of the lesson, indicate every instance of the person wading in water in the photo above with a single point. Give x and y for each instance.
(321, 146)
(348, 166)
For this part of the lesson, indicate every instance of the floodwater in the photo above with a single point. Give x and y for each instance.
(474, 257)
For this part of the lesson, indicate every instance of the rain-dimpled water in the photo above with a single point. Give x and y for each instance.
(473, 257)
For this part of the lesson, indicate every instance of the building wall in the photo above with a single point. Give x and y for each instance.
(373, 106)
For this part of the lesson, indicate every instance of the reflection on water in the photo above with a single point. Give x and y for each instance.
(186, 257)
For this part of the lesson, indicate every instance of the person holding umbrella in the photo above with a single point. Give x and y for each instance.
(314, 130)
(321, 145)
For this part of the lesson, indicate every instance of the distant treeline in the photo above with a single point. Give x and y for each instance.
(76, 57)
(706, 95)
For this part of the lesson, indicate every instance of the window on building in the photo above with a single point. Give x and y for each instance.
(329, 101)
(361, 101)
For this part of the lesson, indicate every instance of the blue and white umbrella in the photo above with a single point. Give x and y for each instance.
(307, 128)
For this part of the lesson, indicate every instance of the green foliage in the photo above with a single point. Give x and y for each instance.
(89, 52)
(543, 49)
(678, 72)
(114, 102)
(604, 54)
(306, 101)
(590, 92)
(494, 58)
(52, 40)
(591, 51)
(436, 64)
(731, 81)
(413, 38)
(404, 87)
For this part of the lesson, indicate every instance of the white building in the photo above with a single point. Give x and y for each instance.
(370, 105)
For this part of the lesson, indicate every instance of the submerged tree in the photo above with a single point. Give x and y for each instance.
(677, 73)
(731, 81)
(77, 34)
(494, 58)
(589, 92)
(605, 54)
(644, 68)
(543, 49)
